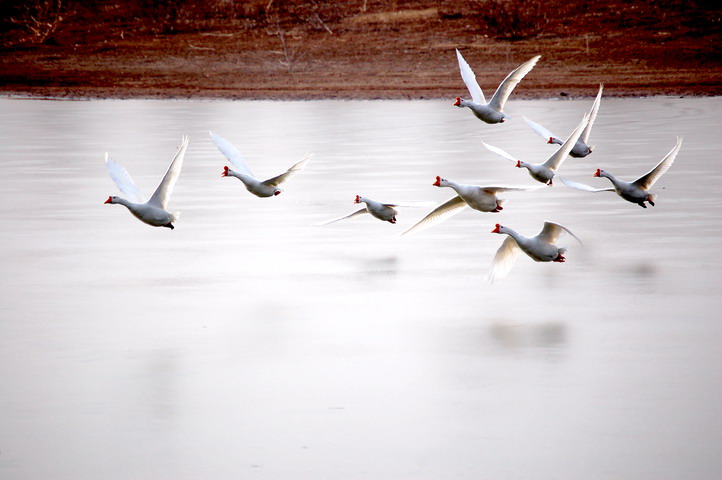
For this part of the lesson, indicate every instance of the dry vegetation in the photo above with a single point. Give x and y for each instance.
(355, 49)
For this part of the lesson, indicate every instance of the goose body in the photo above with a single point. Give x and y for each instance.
(581, 148)
(545, 172)
(492, 111)
(259, 188)
(540, 248)
(479, 198)
(382, 211)
(153, 212)
(638, 190)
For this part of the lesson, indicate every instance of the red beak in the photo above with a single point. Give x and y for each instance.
(598, 173)
(357, 200)
(225, 172)
(437, 183)
(551, 140)
(518, 164)
(277, 192)
(496, 228)
(458, 102)
(108, 200)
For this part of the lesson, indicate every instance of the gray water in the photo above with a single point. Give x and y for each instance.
(249, 342)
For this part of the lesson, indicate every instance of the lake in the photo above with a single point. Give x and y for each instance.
(250, 342)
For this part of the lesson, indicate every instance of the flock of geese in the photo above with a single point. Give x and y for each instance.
(541, 248)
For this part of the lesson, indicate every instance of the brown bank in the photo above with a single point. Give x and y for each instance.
(356, 49)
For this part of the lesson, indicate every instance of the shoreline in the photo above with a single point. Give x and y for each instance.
(296, 97)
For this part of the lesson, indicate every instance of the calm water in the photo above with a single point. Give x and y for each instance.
(250, 343)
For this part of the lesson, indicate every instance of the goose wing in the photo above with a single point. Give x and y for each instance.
(504, 259)
(556, 159)
(350, 215)
(646, 181)
(582, 186)
(438, 215)
(495, 190)
(232, 154)
(165, 188)
(467, 75)
(510, 82)
(552, 231)
(279, 179)
(592, 115)
(499, 151)
(123, 180)
(539, 130)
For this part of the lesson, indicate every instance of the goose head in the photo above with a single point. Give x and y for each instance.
(498, 229)
(599, 173)
(112, 199)
(520, 164)
(359, 199)
(440, 182)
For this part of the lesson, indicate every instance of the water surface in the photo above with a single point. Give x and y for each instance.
(249, 341)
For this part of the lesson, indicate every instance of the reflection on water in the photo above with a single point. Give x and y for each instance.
(249, 341)
(523, 337)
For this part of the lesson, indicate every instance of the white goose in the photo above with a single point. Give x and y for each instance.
(638, 190)
(479, 198)
(491, 112)
(382, 211)
(541, 248)
(260, 188)
(581, 147)
(545, 172)
(153, 212)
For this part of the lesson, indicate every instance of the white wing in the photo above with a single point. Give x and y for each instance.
(438, 215)
(557, 158)
(495, 190)
(231, 153)
(646, 181)
(541, 131)
(581, 186)
(165, 188)
(592, 115)
(552, 231)
(499, 151)
(467, 75)
(354, 214)
(507, 86)
(123, 180)
(279, 179)
(504, 259)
